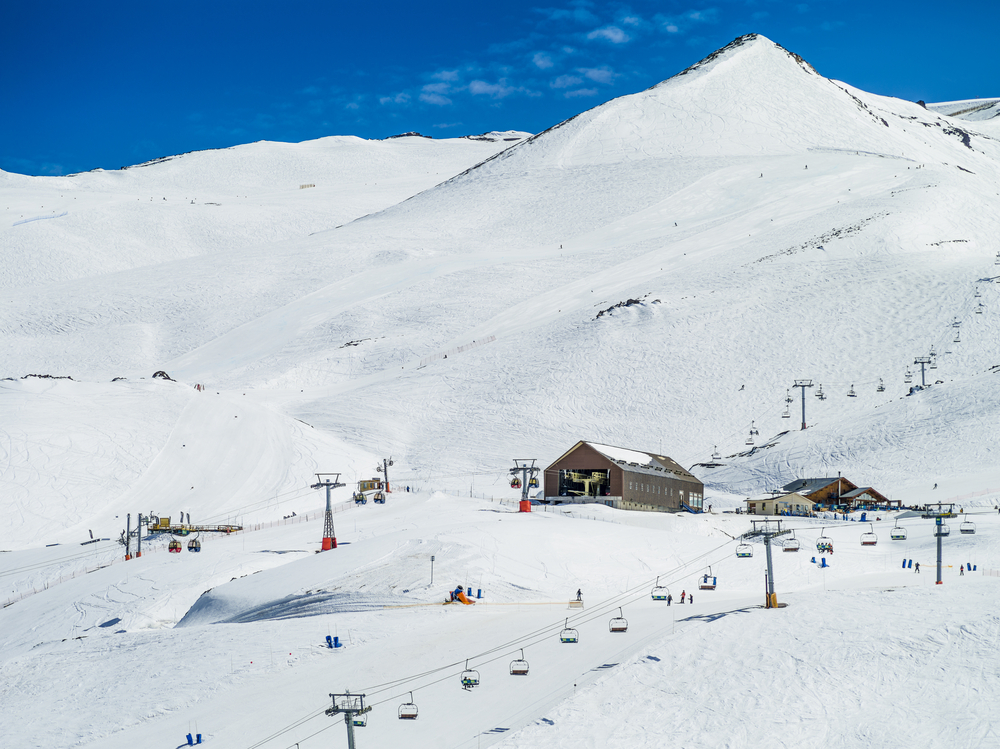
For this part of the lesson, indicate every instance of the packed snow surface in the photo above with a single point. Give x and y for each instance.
(652, 275)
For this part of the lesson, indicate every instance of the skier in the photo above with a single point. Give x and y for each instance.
(682, 596)
(961, 570)
(690, 598)
(579, 594)
(670, 599)
(917, 567)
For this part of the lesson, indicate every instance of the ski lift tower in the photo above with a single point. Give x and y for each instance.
(384, 470)
(922, 361)
(351, 705)
(768, 529)
(939, 512)
(329, 535)
(804, 384)
(528, 472)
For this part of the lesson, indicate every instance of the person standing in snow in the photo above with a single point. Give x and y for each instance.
(690, 597)
(682, 595)
(670, 599)
(961, 570)
(917, 567)
(579, 594)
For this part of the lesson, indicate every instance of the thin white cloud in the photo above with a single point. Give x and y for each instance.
(611, 34)
(436, 88)
(542, 60)
(684, 22)
(603, 74)
(580, 14)
(439, 100)
(566, 81)
(581, 92)
(498, 90)
(446, 75)
(401, 98)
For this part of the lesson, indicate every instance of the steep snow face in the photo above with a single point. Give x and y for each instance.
(974, 110)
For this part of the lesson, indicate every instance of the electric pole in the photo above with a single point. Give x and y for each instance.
(329, 535)
(353, 708)
(803, 384)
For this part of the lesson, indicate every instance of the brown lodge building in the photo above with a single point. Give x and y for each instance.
(622, 478)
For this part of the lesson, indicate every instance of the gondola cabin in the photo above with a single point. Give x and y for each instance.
(379, 498)
(515, 483)
(532, 483)
(359, 498)
(194, 545)
(174, 547)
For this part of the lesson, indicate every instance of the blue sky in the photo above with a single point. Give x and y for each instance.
(108, 84)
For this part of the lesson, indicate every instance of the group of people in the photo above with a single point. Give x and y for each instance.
(690, 598)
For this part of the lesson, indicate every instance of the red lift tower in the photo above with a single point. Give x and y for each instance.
(329, 535)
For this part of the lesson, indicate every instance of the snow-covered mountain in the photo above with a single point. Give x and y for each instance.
(655, 273)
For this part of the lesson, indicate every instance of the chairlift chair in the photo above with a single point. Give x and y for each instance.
(786, 414)
(881, 386)
(819, 392)
(851, 393)
(194, 545)
(569, 634)
(408, 710)
(980, 308)
(715, 453)
(519, 667)
(823, 543)
(977, 294)
(908, 378)
(619, 623)
(791, 544)
(958, 338)
(869, 539)
(379, 498)
(359, 721)
(749, 440)
(942, 530)
(744, 551)
(897, 533)
(707, 581)
(659, 592)
(174, 547)
(470, 677)
(967, 527)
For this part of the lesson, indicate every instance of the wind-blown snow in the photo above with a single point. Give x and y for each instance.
(653, 274)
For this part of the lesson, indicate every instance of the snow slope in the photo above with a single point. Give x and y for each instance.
(653, 274)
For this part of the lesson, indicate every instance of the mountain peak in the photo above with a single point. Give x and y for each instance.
(739, 46)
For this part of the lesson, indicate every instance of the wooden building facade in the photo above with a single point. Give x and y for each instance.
(622, 478)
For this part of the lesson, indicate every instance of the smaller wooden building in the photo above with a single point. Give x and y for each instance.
(840, 493)
(622, 478)
(786, 504)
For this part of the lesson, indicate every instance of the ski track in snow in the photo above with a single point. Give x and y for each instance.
(769, 225)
